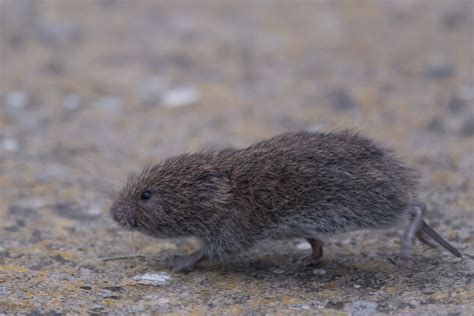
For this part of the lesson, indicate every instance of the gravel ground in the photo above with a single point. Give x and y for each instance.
(91, 90)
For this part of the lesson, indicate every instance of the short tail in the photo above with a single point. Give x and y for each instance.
(440, 240)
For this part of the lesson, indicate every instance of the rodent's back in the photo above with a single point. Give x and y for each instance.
(324, 182)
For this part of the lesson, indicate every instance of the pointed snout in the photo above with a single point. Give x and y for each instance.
(123, 217)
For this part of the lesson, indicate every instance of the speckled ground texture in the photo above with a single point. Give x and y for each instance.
(91, 90)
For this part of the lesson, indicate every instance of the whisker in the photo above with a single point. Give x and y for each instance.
(121, 257)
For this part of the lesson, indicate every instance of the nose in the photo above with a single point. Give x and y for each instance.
(123, 217)
(117, 215)
(132, 223)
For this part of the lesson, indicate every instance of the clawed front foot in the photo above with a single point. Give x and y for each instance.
(185, 263)
(316, 254)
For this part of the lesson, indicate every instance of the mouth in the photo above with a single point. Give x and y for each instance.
(120, 217)
(129, 225)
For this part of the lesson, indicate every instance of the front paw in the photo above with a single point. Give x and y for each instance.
(180, 263)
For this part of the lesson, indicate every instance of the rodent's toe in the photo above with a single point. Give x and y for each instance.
(404, 262)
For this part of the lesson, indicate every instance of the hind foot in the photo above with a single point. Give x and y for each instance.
(412, 231)
(406, 263)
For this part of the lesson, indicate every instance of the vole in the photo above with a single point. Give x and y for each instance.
(295, 185)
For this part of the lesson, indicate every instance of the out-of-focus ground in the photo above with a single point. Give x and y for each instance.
(91, 90)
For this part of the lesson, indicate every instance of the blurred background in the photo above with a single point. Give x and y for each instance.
(91, 90)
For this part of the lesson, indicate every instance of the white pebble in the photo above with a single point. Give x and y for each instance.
(316, 128)
(357, 286)
(94, 210)
(301, 306)
(359, 308)
(303, 245)
(9, 144)
(319, 271)
(153, 278)
(105, 293)
(180, 97)
(16, 99)
(3, 290)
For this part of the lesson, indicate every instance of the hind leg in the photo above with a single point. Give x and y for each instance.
(426, 239)
(413, 230)
(317, 251)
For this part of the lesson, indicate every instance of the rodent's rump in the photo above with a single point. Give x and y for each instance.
(300, 184)
(338, 181)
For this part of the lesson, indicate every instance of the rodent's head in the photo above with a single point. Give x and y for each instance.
(172, 198)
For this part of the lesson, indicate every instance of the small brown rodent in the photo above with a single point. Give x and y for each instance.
(295, 185)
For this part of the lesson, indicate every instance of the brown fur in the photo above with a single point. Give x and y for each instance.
(300, 184)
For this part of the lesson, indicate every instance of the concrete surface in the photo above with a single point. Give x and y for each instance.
(91, 90)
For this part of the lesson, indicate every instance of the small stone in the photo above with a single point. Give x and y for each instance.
(105, 293)
(9, 144)
(200, 279)
(180, 97)
(316, 128)
(341, 100)
(414, 303)
(20, 294)
(300, 306)
(149, 278)
(278, 271)
(3, 290)
(357, 286)
(362, 308)
(303, 245)
(319, 271)
(17, 99)
(93, 210)
(72, 101)
(163, 301)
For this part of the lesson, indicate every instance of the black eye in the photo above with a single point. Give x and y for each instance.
(145, 195)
